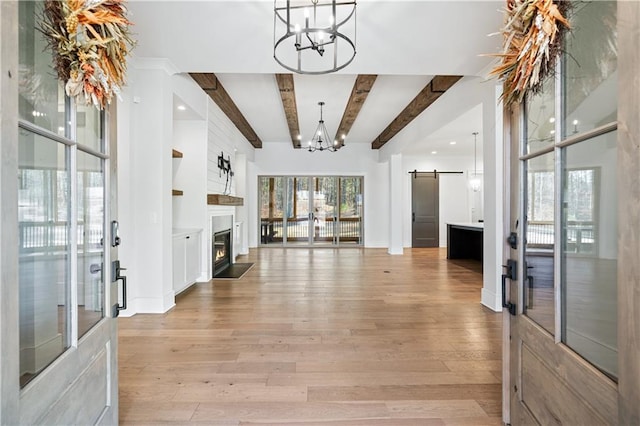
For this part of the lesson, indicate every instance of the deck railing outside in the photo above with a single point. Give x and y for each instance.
(40, 236)
(580, 236)
(347, 229)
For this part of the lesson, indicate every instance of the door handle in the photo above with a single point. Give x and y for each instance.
(512, 274)
(413, 216)
(116, 269)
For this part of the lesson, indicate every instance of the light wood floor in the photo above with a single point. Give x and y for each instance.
(339, 337)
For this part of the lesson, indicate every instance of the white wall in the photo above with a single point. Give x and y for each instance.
(352, 160)
(147, 133)
(494, 227)
(395, 205)
(242, 247)
(144, 207)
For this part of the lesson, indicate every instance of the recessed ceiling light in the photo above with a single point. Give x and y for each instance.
(434, 152)
(452, 143)
(552, 120)
(182, 108)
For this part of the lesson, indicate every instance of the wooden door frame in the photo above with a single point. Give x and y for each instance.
(9, 288)
(510, 192)
(628, 207)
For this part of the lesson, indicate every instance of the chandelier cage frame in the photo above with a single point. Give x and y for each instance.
(320, 140)
(309, 32)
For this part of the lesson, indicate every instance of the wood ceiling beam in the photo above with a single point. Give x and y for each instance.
(359, 93)
(212, 87)
(431, 92)
(288, 96)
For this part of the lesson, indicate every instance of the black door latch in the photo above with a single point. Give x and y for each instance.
(512, 274)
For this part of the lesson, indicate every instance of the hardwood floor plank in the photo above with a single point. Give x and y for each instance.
(239, 392)
(137, 412)
(391, 378)
(473, 421)
(279, 413)
(320, 337)
(494, 366)
(258, 367)
(435, 409)
(367, 422)
(371, 366)
(404, 392)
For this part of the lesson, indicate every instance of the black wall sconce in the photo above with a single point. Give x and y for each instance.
(224, 166)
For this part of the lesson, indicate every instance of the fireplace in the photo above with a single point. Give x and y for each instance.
(221, 251)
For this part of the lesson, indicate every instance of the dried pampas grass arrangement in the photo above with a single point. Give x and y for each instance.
(90, 40)
(533, 37)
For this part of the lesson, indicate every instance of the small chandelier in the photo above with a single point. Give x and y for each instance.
(314, 36)
(475, 182)
(320, 141)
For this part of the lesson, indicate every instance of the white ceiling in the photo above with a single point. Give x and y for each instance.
(404, 42)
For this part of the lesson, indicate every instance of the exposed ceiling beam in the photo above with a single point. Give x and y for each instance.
(431, 92)
(212, 87)
(359, 93)
(288, 96)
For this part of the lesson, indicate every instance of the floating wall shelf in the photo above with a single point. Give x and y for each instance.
(224, 200)
(176, 154)
(177, 192)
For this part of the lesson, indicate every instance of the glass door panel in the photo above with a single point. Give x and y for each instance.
(541, 118)
(44, 253)
(91, 209)
(591, 67)
(351, 209)
(325, 211)
(298, 199)
(272, 208)
(540, 241)
(590, 252)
